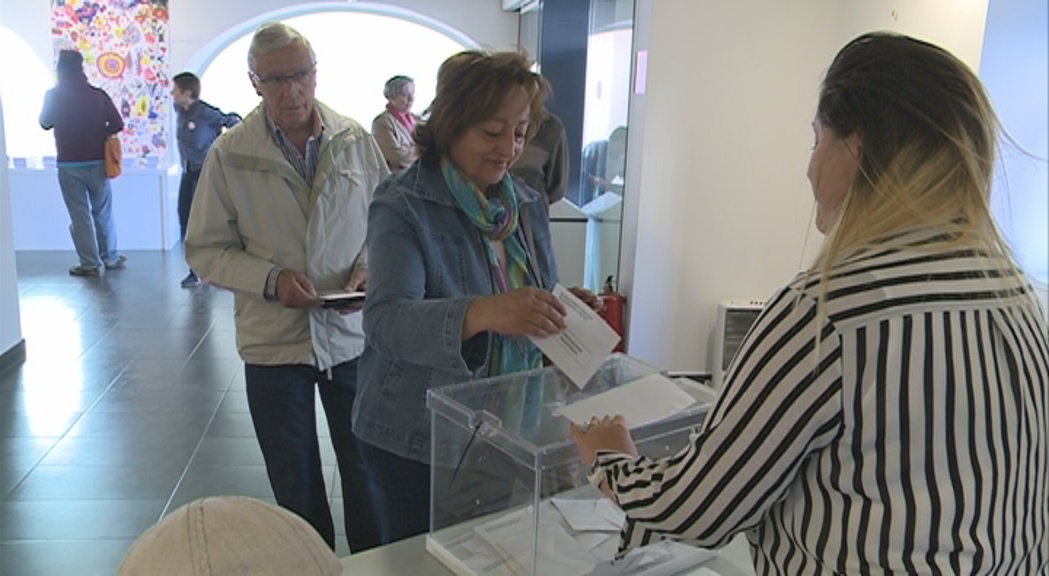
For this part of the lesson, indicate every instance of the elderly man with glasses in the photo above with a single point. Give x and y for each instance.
(280, 219)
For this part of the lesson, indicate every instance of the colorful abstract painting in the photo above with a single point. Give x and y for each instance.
(125, 49)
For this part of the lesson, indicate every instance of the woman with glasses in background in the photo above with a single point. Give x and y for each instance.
(394, 128)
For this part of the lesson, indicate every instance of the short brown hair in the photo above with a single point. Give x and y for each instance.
(70, 63)
(471, 86)
(188, 81)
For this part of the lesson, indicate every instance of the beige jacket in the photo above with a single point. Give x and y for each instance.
(395, 141)
(252, 211)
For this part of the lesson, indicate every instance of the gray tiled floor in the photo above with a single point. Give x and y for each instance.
(130, 403)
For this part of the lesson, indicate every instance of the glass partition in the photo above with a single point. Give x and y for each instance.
(605, 124)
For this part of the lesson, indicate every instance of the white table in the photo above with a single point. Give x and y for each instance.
(410, 558)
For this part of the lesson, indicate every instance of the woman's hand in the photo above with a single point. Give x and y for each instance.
(522, 312)
(588, 298)
(609, 433)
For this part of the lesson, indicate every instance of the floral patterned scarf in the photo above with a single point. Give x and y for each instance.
(497, 219)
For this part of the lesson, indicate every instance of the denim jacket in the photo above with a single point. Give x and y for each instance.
(427, 262)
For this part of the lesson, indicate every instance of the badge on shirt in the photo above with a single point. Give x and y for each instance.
(191, 125)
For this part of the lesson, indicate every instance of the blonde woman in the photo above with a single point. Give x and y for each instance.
(889, 411)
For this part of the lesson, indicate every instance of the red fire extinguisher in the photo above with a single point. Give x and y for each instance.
(613, 304)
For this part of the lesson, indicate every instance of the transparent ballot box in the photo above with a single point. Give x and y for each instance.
(509, 494)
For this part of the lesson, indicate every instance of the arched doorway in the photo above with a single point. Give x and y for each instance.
(358, 49)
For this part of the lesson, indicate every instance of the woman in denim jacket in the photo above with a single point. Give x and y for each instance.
(460, 271)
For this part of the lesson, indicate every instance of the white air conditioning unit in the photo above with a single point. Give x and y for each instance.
(734, 320)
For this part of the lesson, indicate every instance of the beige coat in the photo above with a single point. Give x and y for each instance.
(395, 141)
(252, 211)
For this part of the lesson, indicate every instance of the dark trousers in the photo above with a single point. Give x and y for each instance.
(407, 482)
(281, 401)
(186, 188)
(487, 481)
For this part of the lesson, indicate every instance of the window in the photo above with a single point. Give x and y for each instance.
(22, 132)
(356, 53)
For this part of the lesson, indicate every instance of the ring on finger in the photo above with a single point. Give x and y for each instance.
(589, 424)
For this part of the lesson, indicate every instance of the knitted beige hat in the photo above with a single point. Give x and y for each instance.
(230, 536)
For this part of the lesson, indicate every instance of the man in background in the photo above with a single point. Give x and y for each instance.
(199, 124)
(83, 117)
(543, 164)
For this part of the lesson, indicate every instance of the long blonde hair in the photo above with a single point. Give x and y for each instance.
(929, 137)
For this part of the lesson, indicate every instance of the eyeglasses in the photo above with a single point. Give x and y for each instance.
(281, 80)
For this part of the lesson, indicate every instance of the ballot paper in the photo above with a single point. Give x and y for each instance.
(590, 515)
(601, 545)
(575, 537)
(664, 558)
(581, 348)
(640, 402)
(513, 536)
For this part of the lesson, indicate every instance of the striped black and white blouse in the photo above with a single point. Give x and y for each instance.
(918, 443)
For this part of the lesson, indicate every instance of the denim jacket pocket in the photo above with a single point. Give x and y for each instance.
(452, 277)
(393, 381)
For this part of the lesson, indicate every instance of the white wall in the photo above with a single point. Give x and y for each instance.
(953, 25)
(723, 205)
(10, 322)
(1015, 69)
(196, 23)
(723, 202)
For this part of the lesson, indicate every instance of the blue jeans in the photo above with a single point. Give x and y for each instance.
(281, 401)
(89, 200)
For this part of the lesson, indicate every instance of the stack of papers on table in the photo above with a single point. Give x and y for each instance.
(575, 537)
(503, 547)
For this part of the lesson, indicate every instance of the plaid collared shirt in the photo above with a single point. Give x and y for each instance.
(305, 166)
